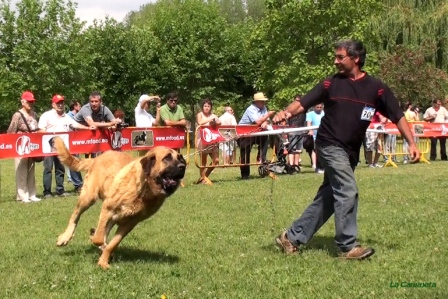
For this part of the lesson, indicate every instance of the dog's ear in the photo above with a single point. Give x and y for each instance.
(148, 162)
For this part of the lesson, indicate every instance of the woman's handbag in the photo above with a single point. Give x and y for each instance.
(35, 159)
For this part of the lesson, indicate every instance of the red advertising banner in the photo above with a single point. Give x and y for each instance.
(418, 129)
(214, 134)
(41, 144)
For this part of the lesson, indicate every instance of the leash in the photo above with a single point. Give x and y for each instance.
(272, 206)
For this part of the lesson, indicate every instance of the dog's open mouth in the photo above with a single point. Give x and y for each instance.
(168, 183)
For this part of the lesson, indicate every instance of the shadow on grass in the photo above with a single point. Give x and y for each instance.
(130, 255)
(326, 243)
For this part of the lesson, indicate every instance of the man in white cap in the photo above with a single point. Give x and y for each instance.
(255, 114)
(143, 119)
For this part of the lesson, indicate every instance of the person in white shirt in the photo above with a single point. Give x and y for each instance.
(227, 148)
(437, 114)
(55, 121)
(143, 119)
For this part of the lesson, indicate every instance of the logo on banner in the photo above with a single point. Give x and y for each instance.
(208, 135)
(116, 140)
(444, 129)
(24, 145)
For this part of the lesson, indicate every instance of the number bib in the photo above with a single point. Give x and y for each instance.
(367, 113)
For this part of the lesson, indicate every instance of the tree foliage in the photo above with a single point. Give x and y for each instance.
(41, 50)
(412, 78)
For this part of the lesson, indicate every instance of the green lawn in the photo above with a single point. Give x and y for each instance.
(217, 241)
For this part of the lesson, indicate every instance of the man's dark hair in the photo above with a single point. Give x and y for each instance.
(95, 94)
(73, 104)
(435, 101)
(171, 95)
(354, 49)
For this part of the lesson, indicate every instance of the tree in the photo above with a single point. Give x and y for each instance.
(296, 41)
(412, 78)
(41, 50)
(412, 23)
(199, 57)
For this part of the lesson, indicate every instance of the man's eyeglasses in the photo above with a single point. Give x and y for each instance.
(340, 57)
(173, 101)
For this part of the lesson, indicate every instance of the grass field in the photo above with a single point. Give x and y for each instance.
(217, 241)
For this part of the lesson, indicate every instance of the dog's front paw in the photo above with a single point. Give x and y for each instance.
(63, 240)
(104, 265)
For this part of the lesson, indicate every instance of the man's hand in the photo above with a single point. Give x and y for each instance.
(281, 116)
(310, 132)
(117, 121)
(414, 153)
(92, 128)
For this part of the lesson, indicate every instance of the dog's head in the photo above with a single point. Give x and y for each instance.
(163, 168)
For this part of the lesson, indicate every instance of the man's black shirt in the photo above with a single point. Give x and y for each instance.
(344, 101)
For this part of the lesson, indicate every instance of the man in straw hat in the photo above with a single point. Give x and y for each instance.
(255, 114)
(351, 98)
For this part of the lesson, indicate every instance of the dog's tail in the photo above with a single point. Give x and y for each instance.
(67, 159)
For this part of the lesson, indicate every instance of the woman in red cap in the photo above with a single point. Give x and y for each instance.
(24, 121)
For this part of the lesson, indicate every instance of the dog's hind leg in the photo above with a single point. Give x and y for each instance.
(122, 231)
(83, 204)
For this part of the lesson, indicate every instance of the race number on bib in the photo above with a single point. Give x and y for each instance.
(367, 113)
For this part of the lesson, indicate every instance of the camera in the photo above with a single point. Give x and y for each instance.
(122, 125)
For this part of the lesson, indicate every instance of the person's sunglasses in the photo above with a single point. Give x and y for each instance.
(173, 101)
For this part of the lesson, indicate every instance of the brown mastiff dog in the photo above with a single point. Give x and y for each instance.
(131, 189)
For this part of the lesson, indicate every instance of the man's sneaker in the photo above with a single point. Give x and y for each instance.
(284, 244)
(25, 200)
(47, 196)
(65, 194)
(376, 165)
(318, 170)
(358, 253)
(35, 199)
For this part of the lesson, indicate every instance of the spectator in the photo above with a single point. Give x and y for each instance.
(56, 121)
(95, 114)
(412, 115)
(313, 118)
(255, 114)
(437, 114)
(373, 143)
(119, 114)
(143, 119)
(24, 167)
(227, 148)
(205, 118)
(74, 107)
(295, 145)
(74, 177)
(173, 115)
